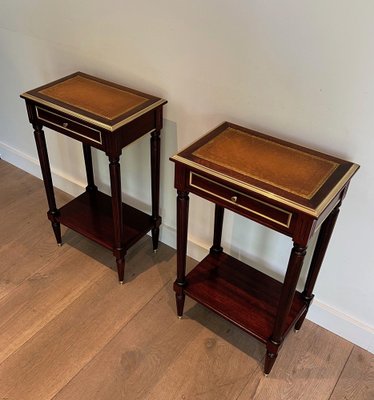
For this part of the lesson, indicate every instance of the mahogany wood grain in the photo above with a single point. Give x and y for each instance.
(155, 187)
(218, 225)
(89, 168)
(241, 294)
(295, 264)
(323, 240)
(118, 215)
(183, 202)
(47, 179)
(91, 216)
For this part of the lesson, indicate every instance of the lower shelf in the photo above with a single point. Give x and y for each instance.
(91, 216)
(241, 294)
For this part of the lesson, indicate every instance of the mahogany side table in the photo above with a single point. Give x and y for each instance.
(291, 189)
(108, 117)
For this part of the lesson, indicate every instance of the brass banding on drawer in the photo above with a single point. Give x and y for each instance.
(69, 125)
(255, 206)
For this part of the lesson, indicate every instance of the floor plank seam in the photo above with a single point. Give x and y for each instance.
(111, 339)
(259, 367)
(341, 372)
(26, 279)
(50, 321)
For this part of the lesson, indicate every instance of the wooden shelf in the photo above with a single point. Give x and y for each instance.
(90, 214)
(241, 294)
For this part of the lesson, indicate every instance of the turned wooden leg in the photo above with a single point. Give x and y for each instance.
(53, 212)
(218, 224)
(155, 183)
(295, 264)
(115, 183)
(317, 259)
(91, 187)
(182, 226)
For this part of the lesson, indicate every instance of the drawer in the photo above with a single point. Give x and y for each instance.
(237, 200)
(67, 125)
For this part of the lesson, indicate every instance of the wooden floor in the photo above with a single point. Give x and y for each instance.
(69, 331)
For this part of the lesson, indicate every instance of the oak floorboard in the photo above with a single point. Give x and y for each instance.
(24, 256)
(26, 237)
(138, 356)
(45, 294)
(54, 355)
(217, 364)
(76, 334)
(357, 380)
(308, 367)
(13, 182)
(158, 356)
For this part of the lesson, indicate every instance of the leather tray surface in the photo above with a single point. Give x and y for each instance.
(268, 161)
(95, 97)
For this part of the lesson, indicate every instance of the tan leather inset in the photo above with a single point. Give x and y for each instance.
(268, 162)
(95, 97)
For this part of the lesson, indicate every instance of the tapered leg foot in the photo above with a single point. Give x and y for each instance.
(155, 238)
(299, 323)
(180, 298)
(272, 349)
(121, 269)
(57, 231)
(269, 362)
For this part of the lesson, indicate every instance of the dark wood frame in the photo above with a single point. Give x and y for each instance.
(104, 219)
(260, 305)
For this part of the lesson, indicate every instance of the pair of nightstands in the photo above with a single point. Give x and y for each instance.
(288, 188)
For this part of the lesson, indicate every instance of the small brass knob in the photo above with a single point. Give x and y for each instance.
(234, 199)
(65, 124)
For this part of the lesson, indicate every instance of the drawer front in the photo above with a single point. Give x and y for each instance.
(69, 126)
(263, 211)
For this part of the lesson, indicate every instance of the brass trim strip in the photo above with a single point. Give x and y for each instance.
(313, 212)
(70, 130)
(287, 225)
(91, 120)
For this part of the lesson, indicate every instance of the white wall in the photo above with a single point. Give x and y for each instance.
(301, 70)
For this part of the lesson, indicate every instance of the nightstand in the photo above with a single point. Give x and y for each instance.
(288, 188)
(108, 117)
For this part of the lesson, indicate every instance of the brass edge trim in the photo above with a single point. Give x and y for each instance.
(263, 192)
(67, 129)
(138, 114)
(287, 225)
(91, 120)
(335, 190)
(310, 211)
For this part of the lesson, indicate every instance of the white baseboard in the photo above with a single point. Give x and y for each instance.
(20, 159)
(342, 324)
(322, 314)
(31, 165)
